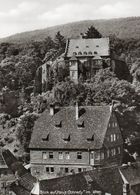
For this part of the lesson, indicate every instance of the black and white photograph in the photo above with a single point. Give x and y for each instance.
(69, 97)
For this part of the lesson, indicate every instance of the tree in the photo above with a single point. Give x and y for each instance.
(92, 32)
(60, 41)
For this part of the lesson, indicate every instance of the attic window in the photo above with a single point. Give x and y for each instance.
(90, 53)
(74, 53)
(46, 138)
(89, 139)
(80, 53)
(80, 124)
(66, 138)
(58, 124)
(95, 52)
(85, 53)
(87, 46)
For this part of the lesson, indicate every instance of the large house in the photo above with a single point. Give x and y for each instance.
(74, 139)
(87, 56)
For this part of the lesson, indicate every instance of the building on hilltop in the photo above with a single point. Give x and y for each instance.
(75, 139)
(87, 56)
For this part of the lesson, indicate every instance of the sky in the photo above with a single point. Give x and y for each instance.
(24, 15)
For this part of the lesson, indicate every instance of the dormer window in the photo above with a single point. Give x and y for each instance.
(80, 124)
(46, 138)
(90, 53)
(58, 124)
(66, 138)
(89, 139)
(74, 53)
(79, 53)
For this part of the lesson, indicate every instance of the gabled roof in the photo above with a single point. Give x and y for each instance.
(95, 119)
(88, 47)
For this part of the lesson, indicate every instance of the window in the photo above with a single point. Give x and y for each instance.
(79, 53)
(79, 155)
(87, 46)
(66, 137)
(80, 124)
(97, 45)
(90, 138)
(47, 169)
(95, 52)
(113, 151)
(79, 170)
(90, 53)
(74, 53)
(45, 138)
(97, 155)
(84, 169)
(50, 154)
(44, 155)
(108, 153)
(85, 53)
(77, 46)
(119, 150)
(112, 138)
(73, 74)
(109, 125)
(102, 155)
(66, 169)
(52, 169)
(58, 124)
(60, 155)
(67, 155)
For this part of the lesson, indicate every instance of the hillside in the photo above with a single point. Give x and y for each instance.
(122, 28)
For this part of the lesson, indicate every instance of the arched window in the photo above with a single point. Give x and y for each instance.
(85, 53)
(74, 53)
(90, 53)
(80, 53)
(95, 52)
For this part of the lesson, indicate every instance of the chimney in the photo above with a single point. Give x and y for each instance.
(77, 111)
(51, 109)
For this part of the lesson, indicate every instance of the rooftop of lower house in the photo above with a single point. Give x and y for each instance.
(107, 180)
(71, 128)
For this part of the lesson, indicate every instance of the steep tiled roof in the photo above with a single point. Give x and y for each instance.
(88, 47)
(106, 180)
(95, 120)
